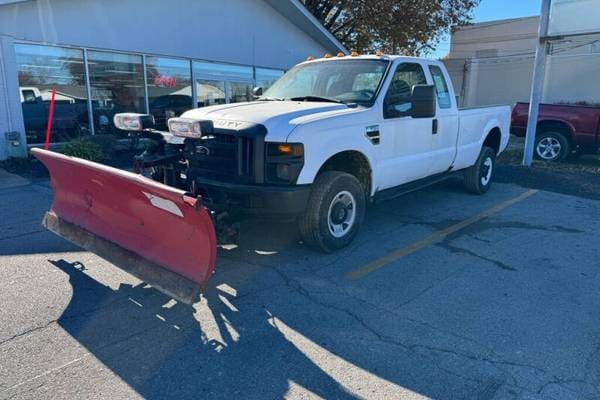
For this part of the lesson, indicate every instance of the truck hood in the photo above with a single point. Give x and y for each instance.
(279, 117)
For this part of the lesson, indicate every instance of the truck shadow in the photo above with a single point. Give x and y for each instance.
(162, 350)
(445, 323)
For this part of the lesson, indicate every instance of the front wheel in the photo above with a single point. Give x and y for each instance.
(478, 178)
(334, 213)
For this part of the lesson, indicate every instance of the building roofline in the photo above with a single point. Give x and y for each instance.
(485, 24)
(297, 14)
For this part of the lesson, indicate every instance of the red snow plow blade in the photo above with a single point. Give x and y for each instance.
(153, 231)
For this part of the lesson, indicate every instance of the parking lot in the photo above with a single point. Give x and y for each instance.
(443, 295)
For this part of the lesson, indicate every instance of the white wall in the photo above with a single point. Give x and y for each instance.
(572, 73)
(572, 78)
(248, 32)
(11, 115)
(506, 36)
(238, 31)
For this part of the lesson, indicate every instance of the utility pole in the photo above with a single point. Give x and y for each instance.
(537, 84)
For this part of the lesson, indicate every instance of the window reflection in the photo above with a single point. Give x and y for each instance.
(40, 69)
(117, 85)
(240, 92)
(203, 68)
(265, 77)
(210, 92)
(169, 88)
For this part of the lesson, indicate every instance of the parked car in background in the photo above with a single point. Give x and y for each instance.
(563, 130)
(70, 118)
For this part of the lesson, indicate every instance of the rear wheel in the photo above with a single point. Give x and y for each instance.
(334, 213)
(478, 178)
(552, 146)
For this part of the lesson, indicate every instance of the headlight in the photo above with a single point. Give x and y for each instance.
(133, 122)
(284, 161)
(189, 128)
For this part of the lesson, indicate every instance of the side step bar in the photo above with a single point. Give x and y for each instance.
(170, 283)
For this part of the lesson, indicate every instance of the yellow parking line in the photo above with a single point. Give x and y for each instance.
(434, 237)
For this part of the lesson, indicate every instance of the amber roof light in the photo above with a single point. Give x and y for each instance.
(379, 53)
(310, 58)
(340, 54)
(327, 55)
(354, 54)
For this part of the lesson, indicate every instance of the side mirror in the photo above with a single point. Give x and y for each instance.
(423, 101)
(257, 91)
(133, 122)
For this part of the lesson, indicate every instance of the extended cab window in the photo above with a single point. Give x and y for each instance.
(398, 100)
(441, 87)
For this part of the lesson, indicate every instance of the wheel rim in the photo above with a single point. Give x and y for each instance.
(342, 214)
(486, 171)
(548, 148)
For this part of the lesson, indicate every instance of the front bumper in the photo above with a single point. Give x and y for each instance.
(259, 200)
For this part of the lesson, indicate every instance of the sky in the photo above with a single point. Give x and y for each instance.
(490, 10)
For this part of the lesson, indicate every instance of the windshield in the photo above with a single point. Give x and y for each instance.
(348, 81)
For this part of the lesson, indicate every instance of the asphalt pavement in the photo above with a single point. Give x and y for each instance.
(443, 295)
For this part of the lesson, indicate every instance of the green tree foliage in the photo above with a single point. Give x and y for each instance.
(393, 26)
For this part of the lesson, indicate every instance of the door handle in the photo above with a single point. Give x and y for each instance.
(434, 126)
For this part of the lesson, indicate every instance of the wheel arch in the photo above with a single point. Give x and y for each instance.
(547, 125)
(353, 162)
(493, 139)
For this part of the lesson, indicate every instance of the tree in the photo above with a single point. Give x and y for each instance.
(393, 26)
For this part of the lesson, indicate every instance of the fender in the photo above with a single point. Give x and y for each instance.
(572, 129)
(322, 150)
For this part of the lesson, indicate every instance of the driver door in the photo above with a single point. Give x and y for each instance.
(406, 141)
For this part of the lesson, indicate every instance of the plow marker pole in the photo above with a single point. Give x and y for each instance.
(50, 116)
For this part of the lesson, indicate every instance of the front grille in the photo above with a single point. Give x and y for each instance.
(223, 157)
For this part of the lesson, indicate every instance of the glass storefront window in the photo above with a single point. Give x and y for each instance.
(117, 85)
(265, 77)
(217, 70)
(40, 69)
(169, 88)
(210, 92)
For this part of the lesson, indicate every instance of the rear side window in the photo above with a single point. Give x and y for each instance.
(29, 96)
(441, 87)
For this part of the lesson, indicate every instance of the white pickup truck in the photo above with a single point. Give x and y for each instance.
(328, 137)
(341, 131)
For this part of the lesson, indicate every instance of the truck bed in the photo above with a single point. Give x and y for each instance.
(472, 122)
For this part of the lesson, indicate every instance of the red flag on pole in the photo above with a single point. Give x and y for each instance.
(50, 115)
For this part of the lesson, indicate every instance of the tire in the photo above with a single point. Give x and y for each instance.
(478, 178)
(334, 213)
(551, 146)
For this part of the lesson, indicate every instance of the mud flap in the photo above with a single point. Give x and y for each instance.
(153, 231)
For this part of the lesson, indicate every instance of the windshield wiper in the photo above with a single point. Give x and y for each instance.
(317, 98)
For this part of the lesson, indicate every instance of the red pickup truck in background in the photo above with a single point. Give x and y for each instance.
(562, 129)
